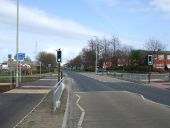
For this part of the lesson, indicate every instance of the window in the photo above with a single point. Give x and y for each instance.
(168, 57)
(161, 57)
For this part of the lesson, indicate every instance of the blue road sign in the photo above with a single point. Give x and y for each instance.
(49, 65)
(21, 56)
(9, 56)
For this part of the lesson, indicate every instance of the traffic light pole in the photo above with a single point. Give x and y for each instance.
(59, 61)
(59, 72)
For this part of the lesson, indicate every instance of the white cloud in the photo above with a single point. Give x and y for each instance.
(34, 20)
(4, 50)
(37, 24)
(137, 44)
(53, 32)
(162, 5)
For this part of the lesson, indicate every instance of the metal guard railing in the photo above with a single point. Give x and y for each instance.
(57, 93)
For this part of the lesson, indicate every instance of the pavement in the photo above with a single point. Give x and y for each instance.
(2, 84)
(162, 85)
(103, 102)
(17, 103)
(43, 117)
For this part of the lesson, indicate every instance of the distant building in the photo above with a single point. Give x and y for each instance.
(122, 62)
(107, 65)
(161, 60)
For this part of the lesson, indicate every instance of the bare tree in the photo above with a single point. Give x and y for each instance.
(92, 44)
(107, 51)
(46, 58)
(115, 43)
(154, 45)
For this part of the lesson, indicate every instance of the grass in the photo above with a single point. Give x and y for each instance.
(8, 79)
(5, 79)
(30, 79)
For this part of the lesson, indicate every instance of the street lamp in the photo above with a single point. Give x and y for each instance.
(96, 56)
(17, 35)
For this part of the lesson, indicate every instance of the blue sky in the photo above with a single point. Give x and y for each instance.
(69, 25)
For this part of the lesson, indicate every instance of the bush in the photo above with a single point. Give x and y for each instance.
(137, 69)
(89, 69)
(132, 68)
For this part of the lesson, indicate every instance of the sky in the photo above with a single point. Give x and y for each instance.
(69, 24)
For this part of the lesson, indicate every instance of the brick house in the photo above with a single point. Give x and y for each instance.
(122, 62)
(161, 61)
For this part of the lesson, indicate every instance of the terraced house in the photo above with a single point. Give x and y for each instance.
(161, 60)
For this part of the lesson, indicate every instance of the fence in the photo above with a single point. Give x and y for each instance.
(144, 78)
(57, 92)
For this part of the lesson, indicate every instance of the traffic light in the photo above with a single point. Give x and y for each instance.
(150, 60)
(59, 56)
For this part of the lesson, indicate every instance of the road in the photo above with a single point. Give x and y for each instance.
(16, 104)
(97, 104)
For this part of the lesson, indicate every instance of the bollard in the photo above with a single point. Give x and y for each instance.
(13, 80)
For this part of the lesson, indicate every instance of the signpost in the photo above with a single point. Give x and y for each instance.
(49, 66)
(9, 57)
(21, 56)
(40, 69)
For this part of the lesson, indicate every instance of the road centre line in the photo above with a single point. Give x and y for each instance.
(82, 114)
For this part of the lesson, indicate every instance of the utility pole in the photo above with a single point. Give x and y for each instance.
(105, 54)
(96, 62)
(17, 35)
(96, 58)
(114, 45)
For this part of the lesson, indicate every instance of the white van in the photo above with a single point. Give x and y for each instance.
(4, 66)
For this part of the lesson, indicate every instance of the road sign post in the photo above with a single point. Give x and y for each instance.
(21, 57)
(49, 67)
(40, 69)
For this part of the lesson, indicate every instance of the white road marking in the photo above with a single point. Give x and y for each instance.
(145, 99)
(142, 97)
(82, 112)
(154, 102)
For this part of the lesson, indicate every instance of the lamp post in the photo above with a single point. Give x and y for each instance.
(96, 56)
(17, 35)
